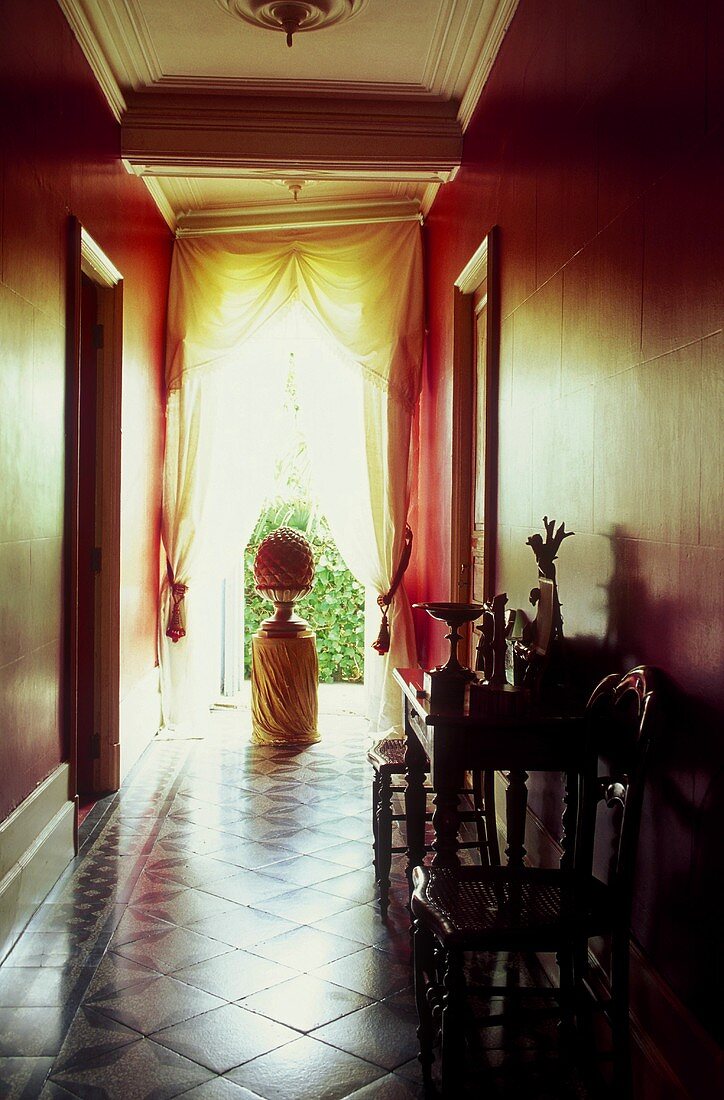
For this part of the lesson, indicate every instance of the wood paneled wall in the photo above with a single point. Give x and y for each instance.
(597, 149)
(60, 156)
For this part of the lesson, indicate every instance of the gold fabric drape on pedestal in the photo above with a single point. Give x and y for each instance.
(284, 678)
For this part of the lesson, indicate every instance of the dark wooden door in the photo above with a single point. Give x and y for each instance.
(88, 555)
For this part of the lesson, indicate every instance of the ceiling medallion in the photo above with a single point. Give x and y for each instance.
(294, 186)
(293, 16)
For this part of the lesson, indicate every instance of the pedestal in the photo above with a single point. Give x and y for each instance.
(284, 679)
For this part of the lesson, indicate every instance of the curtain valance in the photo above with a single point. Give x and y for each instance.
(363, 282)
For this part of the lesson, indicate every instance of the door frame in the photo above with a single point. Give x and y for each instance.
(482, 267)
(86, 257)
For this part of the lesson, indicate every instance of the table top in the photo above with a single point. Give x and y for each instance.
(452, 716)
(536, 740)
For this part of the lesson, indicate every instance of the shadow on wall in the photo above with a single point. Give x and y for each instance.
(679, 896)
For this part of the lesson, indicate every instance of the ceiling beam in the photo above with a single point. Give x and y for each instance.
(163, 134)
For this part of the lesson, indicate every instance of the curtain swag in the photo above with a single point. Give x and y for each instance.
(363, 282)
(382, 644)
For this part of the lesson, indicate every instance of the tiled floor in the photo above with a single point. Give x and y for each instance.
(217, 938)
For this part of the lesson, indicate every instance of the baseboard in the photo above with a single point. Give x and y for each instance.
(674, 1057)
(36, 845)
(140, 719)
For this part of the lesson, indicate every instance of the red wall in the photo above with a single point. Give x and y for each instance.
(597, 150)
(60, 157)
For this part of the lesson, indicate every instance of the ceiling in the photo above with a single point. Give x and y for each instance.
(231, 129)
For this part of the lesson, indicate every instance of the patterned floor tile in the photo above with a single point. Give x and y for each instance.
(92, 1035)
(368, 972)
(378, 1033)
(355, 886)
(362, 922)
(32, 1032)
(305, 1070)
(352, 854)
(237, 885)
(22, 1078)
(305, 1002)
(137, 1071)
(225, 1037)
(41, 987)
(116, 972)
(303, 870)
(153, 1003)
(188, 907)
(220, 1088)
(391, 1087)
(167, 951)
(305, 948)
(303, 906)
(247, 888)
(135, 924)
(235, 975)
(304, 842)
(245, 927)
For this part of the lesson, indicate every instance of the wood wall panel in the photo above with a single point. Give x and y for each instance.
(612, 343)
(60, 149)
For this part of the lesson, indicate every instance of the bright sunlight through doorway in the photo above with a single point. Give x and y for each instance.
(298, 373)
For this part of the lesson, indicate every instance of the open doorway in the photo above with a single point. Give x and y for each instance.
(360, 287)
(335, 608)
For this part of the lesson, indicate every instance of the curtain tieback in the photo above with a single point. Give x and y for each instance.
(382, 644)
(176, 626)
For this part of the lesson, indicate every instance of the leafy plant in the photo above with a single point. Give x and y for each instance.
(335, 606)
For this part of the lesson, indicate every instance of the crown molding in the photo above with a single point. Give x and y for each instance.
(119, 48)
(77, 17)
(323, 89)
(158, 195)
(428, 198)
(502, 17)
(164, 134)
(253, 218)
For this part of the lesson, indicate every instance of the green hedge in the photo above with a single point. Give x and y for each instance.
(335, 606)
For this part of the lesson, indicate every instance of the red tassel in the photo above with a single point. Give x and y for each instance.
(175, 629)
(382, 645)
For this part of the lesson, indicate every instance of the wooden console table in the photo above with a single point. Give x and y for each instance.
(446, 742)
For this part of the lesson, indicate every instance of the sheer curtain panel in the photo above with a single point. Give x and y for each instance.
(363, 285)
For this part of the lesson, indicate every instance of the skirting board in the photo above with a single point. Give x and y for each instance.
(675, 1058)
(36, 845)
(140, 719)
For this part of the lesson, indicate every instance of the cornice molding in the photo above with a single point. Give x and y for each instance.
(118, 46)
(254, 218)
(323, 89)
(158, 195)
(163, 134)
(77, 18)
(502, 18)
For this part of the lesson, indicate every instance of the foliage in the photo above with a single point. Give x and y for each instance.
(335, 606)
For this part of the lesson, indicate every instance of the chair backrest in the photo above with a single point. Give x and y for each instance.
(625, 712)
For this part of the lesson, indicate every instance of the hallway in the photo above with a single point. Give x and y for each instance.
(217, 938)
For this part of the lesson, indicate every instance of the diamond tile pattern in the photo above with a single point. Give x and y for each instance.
(217, 937)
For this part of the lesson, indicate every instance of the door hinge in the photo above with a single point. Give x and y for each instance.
(96, 746)
(97, 337)
(96, 559)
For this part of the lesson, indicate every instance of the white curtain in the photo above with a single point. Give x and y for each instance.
(363, 285)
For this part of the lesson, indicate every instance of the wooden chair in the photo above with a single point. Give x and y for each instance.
(539, 910)
(387, 758)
